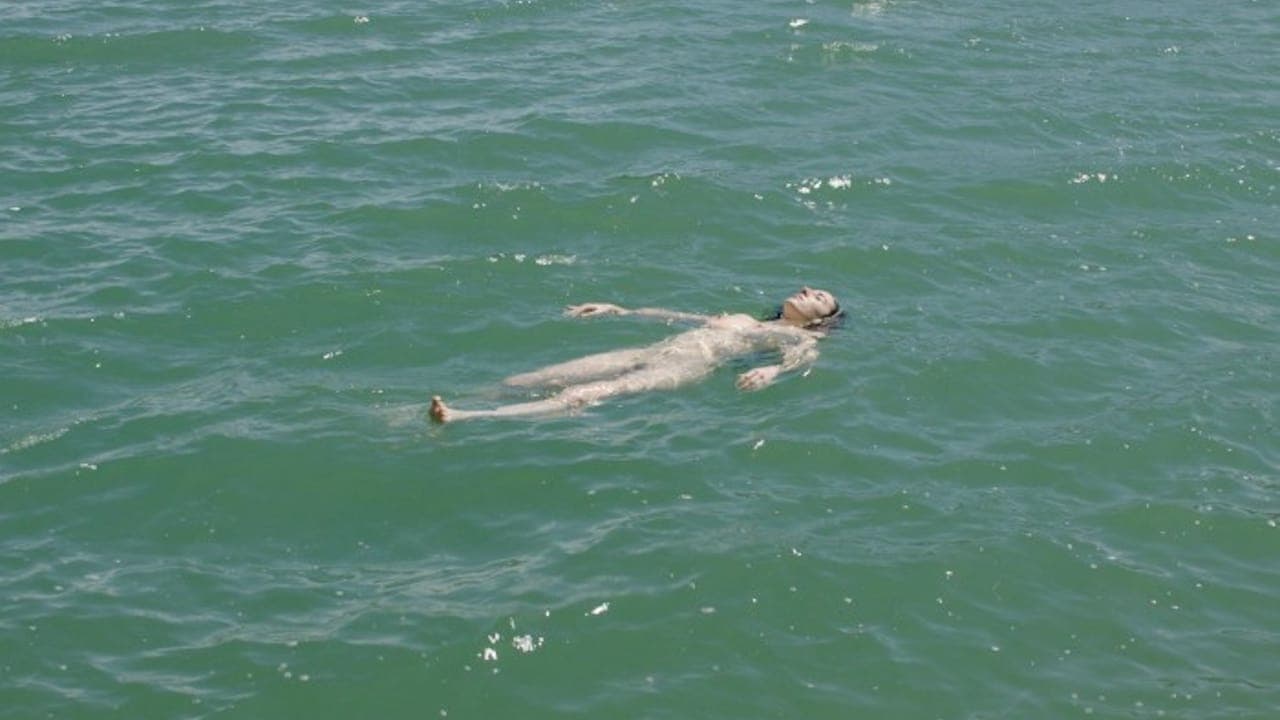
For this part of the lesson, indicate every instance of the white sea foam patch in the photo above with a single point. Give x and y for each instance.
(839, 48)
(868, 9)
(6, 323)
(548, 259)
(502, 186)
(1100, 177)
(526, 643)
(817, 193)
(523, 644)
(808, 186)
(33, 439)
(661, 179)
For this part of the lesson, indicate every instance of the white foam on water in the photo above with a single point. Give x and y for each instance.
(555, 259)
(869, 9)
(1085, 177)
(837, 47)
(543, 260)
(33, 440)
(526, 643)
(6, 323)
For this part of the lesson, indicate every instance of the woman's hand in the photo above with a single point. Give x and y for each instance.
(593, 310)
(757, 378)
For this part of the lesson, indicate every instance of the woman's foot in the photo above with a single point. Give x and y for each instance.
(439, 411)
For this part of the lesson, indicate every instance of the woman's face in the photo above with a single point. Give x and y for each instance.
(808, 305)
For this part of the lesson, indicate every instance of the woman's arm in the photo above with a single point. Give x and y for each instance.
(795, 356)
(597, 309)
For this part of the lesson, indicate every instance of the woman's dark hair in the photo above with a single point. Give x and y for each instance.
(832, 321)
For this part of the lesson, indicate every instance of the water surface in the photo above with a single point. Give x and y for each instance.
(1034, 475)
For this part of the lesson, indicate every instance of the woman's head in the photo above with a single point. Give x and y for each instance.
(809, 308)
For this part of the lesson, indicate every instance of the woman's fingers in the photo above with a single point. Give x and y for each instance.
(591, 309)
(756, 378)
(750, 380)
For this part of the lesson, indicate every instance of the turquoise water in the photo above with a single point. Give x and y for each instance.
(1035, 475)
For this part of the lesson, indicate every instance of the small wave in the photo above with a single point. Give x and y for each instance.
(34, 439)
(875, 8)
(1084, 177)
(840, 49)
(544, 260)
(173, 45)
(501, 186)
(808, 186)
(815, 190)
(6, 323)
(341, 23)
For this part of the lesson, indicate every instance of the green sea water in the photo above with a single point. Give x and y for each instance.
(1035, 475)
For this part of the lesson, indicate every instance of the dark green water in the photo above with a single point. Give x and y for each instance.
(1035, 475)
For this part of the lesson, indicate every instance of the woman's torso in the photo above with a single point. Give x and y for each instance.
(725, 337)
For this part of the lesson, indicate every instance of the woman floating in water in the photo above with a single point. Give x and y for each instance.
(692, 355)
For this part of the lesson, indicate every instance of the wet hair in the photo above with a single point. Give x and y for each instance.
(833, 320)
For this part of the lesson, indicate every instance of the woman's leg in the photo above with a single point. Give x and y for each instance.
(584, 369)
(549, 406)
(577, 396)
